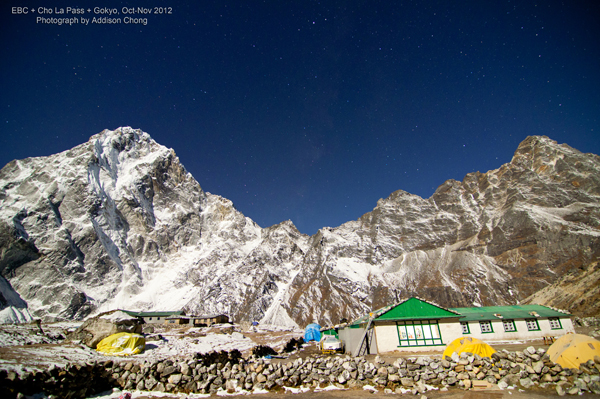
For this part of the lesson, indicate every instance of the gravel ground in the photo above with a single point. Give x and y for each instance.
(26, 347)
(361, 393)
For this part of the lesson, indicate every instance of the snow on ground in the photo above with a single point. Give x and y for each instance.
(29, 334)
(27, 347)
(39, 357)
(174, 344)
(144, 394)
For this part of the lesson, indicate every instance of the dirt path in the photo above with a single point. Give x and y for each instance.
(358, 393)
(428, 395)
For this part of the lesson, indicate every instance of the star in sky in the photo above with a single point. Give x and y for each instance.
(311, 111)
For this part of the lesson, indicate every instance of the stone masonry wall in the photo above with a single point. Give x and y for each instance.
(525, 370)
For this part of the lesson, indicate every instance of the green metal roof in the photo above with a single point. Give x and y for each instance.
(507, 312)
(155, 314)
(415, 309)
(365, 318)
(331, 331)
(361, 320)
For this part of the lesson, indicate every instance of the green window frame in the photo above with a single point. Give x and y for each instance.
(509, 326)
(486, 327)
(555, 323)
(464, 325)
(419, 333)
(532, 324)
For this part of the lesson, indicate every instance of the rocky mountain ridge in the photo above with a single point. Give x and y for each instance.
(118, 222)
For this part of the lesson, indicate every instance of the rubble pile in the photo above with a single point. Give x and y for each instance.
(530, 369)
(71, 381)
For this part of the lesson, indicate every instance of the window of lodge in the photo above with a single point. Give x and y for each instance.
(419, 333)
(532, 324)
(465, 327)
(486, 326)
(555, 323)
(509, 325)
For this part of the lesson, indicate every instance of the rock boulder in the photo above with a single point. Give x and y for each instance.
(97, 328)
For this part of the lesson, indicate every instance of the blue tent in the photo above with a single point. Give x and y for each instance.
(312, 332)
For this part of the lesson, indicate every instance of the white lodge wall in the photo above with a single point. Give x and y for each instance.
(522, 332)
(388, 336)
(415, 325)
(450, 331)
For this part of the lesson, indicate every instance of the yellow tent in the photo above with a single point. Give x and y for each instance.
(469, 344)
(122, 344)
(571, 350)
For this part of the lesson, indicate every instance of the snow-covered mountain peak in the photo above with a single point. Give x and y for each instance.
(117, 222)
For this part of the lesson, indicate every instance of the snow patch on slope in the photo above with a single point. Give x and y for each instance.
(355, 269)
(276, 314)
(11, 315)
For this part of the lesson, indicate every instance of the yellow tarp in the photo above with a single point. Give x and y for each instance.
(122, 344)
(571, 350)
(469, 344)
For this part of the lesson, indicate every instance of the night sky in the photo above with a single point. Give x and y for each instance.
(304, 110)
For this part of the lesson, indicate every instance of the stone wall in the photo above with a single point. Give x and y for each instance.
(72, 381)
(205, 374)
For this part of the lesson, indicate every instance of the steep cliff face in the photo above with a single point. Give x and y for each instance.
(92, 223)
(578, 290)
(118, 222)
(494, 238)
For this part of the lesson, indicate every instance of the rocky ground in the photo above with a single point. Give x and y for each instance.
(36, 347)
(40, 352)
(523, 374)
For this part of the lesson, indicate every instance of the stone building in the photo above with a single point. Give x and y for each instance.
(209, 320)
(156, 317)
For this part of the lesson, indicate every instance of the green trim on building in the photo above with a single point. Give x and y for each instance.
(490, 324)
(416, 309)
(532, 320)
(550, 319)
(507, 312)
(363, 320)
(514, 325)
(413, 333)
(360, 321)
(465, 323)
